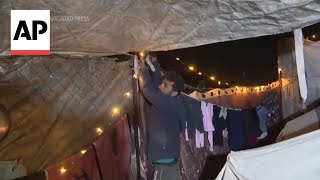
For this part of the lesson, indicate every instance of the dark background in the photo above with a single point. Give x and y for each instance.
(247, 62)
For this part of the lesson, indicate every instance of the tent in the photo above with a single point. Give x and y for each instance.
(292, 159)
(56, 100)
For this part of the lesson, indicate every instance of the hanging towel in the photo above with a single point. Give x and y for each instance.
(207, 112)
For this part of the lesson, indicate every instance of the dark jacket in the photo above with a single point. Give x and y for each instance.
(165, 116)
(193, 115)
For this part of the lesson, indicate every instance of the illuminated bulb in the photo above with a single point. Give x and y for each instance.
(227, 84)
(115, 111)
(212, 78)
(141, 53)
(191, 68)
(83, 152)
(219, 82)
(127, 94)
(314, 36)
(200, 73)
(63, 170)
(279, 70)
(178, 59)
(99, 130)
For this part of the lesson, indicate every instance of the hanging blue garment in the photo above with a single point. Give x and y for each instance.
(235, 129)
(263, 115)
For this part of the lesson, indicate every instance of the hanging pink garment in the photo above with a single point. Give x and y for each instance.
(207, 111)
(199, 139)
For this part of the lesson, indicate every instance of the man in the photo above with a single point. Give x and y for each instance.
(165, 118)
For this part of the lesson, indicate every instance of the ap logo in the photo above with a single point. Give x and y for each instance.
(30, 32)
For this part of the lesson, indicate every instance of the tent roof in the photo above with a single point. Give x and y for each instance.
(116, 27)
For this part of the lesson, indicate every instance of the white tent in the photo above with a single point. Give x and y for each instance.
(297, 158)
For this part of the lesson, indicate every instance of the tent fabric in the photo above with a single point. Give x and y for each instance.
(103, 27)
(312, 64)
(112, 158)
(56, 103)
(291, 98)
(304, 124)
(297, 158)
(298, 41)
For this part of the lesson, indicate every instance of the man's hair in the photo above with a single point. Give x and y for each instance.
(178, 82)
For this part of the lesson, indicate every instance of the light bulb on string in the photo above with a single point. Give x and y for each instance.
(212, 78)
(178, 59)
(200, 73)
(141, 54)
(191, 68)
(63, 170)
(99, 130)
(227, 84)
(83, 151)
(279, 70)
(115, 111)
(127, 94)
(314, 36)
(219, 82)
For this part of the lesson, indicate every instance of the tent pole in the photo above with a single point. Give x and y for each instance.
(280, 87)
(136, 120)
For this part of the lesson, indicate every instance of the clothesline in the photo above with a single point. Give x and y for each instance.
(212, 103)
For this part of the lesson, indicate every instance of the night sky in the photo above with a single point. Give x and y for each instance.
(243, 62)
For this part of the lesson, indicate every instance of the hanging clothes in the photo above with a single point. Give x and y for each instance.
(235, 129)
(193, 115)
(250, 127)
(263, 116)
(207, 112)
(199, 139)
(220, 123)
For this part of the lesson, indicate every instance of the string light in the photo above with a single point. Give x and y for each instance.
(83, 152)
(279, 70)
(212, 78)
(127, 94)
(63, 170)
(191, 68)
(115, 111)
(219, 82)
(314, 36)
(178, 59)
(141, 54)
(99, 130)
(227, 84)
(200, 73)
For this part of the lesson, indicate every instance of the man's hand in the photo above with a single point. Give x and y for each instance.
(153, 56)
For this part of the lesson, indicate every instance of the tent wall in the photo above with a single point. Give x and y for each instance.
(56, 103)
(291, 99)
(104, 27)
